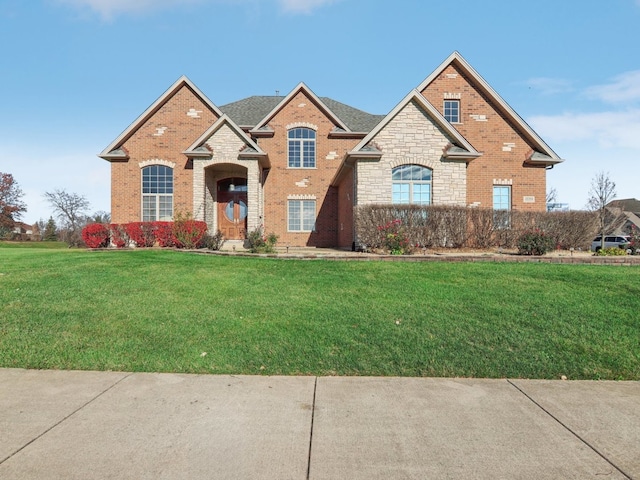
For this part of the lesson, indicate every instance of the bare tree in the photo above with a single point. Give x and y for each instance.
(552, 196)
(602, 191)
(71, 209)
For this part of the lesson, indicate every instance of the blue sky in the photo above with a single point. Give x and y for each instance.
(75, 73)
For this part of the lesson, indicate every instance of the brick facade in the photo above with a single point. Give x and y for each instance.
(503, 147)
(489, 146)
(284, 183)
(161, 138)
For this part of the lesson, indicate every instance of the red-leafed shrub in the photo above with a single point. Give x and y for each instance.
(96, 235)
(187, 232)
(119, 236)
(163, 232)
(141, 233)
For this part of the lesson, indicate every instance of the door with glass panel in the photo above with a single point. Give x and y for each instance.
(232, 208)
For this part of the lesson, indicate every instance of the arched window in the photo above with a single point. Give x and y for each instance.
(302, 148)
(157, 193)
(411, 184)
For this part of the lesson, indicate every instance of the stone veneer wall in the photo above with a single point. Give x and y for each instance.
(412, 138)
(224, 162)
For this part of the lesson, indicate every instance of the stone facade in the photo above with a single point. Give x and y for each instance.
(412, 138)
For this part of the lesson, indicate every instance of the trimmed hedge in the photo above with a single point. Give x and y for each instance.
(180, 234)
(457, 227)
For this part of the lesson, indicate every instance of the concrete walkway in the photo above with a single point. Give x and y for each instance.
(96, 425)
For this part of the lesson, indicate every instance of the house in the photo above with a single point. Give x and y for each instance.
(297, 165)
(624, 215)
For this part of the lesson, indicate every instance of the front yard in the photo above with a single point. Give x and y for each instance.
(167, 311)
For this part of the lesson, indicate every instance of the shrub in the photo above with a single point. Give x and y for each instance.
(260, 243)
(95, 235)
(187, 232)
(163, 232)
(119, 236)
(212, 242)
(396, 241)
(611, 251)
(534, 242)
(141, 233)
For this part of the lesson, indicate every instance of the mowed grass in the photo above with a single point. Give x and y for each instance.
(166, 311)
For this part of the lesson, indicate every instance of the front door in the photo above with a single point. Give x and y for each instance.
(232, 208)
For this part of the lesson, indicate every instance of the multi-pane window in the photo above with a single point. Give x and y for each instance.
(302, 215)
(452, 110)
(411, 184)
(157, 193)
(302, 148)
(502, 206)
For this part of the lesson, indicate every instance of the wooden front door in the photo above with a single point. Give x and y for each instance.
(232, 214)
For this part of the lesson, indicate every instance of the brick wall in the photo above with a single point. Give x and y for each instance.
(170, 131)
(283, 183)
(503, 148)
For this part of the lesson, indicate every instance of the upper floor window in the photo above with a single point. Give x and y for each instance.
(411, 184)
(302, 148)
(157, 193)
(452, 111)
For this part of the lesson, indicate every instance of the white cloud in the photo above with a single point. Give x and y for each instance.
(624, 88)
(608, 129)
(108, 9)
(550, 86)
(303, 6)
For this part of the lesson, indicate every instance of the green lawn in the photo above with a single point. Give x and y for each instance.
(166, 311)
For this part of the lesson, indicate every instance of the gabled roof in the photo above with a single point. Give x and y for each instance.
(626, 205)
(312, 96)
(115, 152)
(248, 112)
(459, 148)
(200, 149)
(547, 157)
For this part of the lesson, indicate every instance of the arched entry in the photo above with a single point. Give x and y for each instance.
(232, 208)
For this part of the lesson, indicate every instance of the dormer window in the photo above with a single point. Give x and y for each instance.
(452, 111)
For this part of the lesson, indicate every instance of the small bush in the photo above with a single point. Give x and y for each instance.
(187, 232)
(141, 233)
(534, 242)
(119, 236)
(212, 242)
(163, 232)
(261, 243)
(95, 235)
(611, 252)
(396, 241)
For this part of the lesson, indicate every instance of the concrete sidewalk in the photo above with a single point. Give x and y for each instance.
(94, 425)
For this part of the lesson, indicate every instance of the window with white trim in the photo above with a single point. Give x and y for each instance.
(302, 148)
(452, 111)
(301, 215)
(502, 206)
(157, 193)
(411, 184)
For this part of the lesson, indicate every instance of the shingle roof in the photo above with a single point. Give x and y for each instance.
(626, 204)
(251, 110)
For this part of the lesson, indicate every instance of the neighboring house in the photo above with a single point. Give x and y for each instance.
(22, 231)
(625, 215)
(297, 165)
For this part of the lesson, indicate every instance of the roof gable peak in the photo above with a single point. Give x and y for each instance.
(182, 82)
(301, 87)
